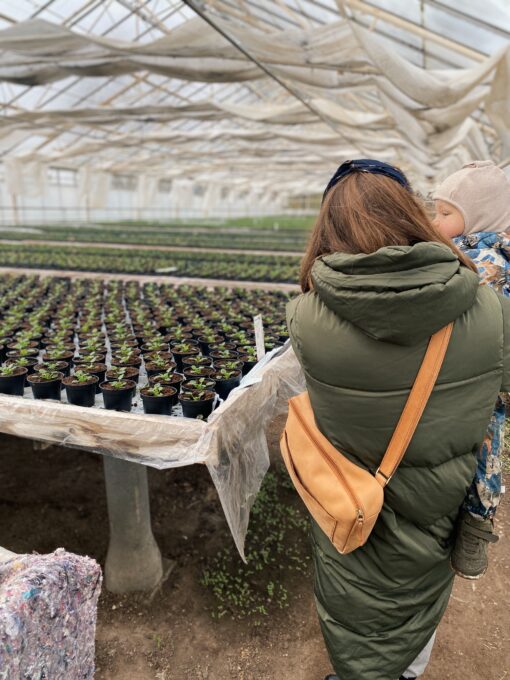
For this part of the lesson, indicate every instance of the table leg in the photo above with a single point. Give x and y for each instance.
(133, 561)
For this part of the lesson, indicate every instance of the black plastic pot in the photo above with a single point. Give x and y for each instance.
(132, 374)
(98, 372)
(63, 356)
(16, 353)
(224, 387)
(118, 400)
(134, 361)
(154, 369)
(159, 405)
(221, 363)
(176, 382)
(31, 366)
(194, 409)
(14, 384)
(179, 357)
(247, 363)
(62, 366)
(205, 372)
(230, 354)
(205, 343)
(99, 358)
(46, 389)
(197, 360)
(81, 394)
(186, 387)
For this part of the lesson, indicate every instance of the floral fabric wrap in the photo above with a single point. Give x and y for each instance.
(491, 254)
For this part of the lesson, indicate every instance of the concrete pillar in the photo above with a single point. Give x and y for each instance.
(133, 561)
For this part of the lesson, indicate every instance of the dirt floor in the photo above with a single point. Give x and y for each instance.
(55, 497)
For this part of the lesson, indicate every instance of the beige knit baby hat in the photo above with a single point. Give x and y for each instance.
(481, 191)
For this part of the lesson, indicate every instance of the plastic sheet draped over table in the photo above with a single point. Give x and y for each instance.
(232, 443)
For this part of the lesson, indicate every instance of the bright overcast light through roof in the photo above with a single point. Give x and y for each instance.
(153, 87)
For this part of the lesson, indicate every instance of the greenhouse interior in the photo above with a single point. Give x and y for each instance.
(181, 181)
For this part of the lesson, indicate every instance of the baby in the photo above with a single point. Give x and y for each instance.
(473, 209)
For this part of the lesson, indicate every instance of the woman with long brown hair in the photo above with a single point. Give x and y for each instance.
(378, 280)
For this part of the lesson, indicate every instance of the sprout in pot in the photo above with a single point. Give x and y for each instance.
(12, 379)
(158, 399)
(184, 349)
(46, 384)
(81, 388)
(118, 394)
(248, 355)
(58, 355)
(197, 371)
(204, 383)
(28, 352)
(226, 379)
(197, 403)
(224, 354)
(197, 360)
(62, 366)
(95, 368)
(229, 364)
(90, 358)
(123, 373)
(158, 364)
(30, 363)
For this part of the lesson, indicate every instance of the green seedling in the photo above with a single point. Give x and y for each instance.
(184, 347)
(119, 384)
(156, 390)
(225, 373)
(81, 377)
(8, 370)
(47, 374)
(119, 372)
(167, 375)
(200, 384)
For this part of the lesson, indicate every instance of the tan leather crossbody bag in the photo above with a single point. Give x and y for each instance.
(343, 498)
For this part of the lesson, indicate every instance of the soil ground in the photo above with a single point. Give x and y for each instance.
(55, 497)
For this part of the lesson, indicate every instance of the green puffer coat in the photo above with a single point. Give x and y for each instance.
(360, 337)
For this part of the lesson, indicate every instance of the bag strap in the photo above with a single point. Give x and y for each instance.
(415, 405)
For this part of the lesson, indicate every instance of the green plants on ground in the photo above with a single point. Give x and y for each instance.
(276, 551)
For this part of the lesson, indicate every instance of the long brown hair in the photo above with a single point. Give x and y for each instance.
(365, 212)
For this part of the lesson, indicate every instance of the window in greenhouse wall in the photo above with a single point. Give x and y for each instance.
(308, 202)
(62, 177)
(124, 182)
(198, 189)
(165, 186)
(225, 191)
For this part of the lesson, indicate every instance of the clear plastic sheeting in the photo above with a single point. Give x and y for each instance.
(425, 86)
(232, 443)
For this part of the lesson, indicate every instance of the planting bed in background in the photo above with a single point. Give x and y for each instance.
(192, 238)
(269, 233)
(181, 346)
(242, 267)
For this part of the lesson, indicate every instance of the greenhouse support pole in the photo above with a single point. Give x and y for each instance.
(133, 562)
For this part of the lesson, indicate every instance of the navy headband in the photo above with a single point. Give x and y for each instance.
(367, 165)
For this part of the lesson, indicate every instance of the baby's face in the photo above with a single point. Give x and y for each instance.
(448, 219)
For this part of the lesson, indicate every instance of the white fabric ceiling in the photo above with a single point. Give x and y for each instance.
(274, 92)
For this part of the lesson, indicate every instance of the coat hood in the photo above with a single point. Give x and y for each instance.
(399, 294)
